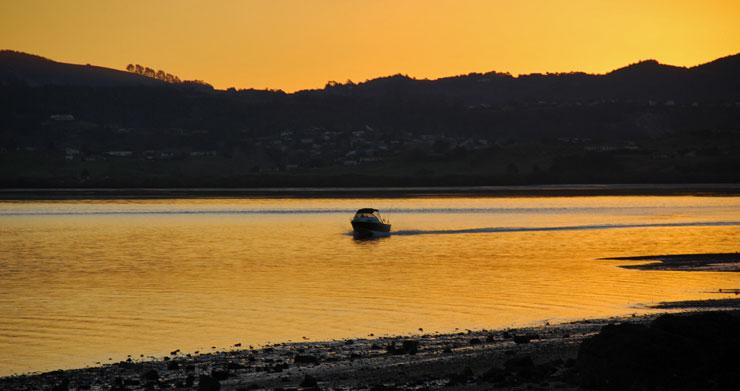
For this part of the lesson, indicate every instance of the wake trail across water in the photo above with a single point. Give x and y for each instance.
(412, 232)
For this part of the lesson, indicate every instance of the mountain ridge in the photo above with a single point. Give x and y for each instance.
(40, 71)
(642, 123)
(37, 72)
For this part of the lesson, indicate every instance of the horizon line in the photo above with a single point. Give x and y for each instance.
(412, 77)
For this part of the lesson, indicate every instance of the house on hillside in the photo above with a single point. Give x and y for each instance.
(62, 117)
(119, 153)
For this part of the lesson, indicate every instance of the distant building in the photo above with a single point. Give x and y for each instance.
(71, 153)
(203, 153)
(62, 117)
(119, 153)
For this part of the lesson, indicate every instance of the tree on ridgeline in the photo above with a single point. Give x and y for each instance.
(170, 78)
(157, 74)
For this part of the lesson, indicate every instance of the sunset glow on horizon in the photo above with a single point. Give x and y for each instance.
(294, 45)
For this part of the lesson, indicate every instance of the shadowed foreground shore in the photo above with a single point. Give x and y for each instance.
(694, 350)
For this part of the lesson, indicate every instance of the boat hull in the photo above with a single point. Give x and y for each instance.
(369, 229)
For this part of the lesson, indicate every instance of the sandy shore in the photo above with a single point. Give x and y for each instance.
(544, 357)
(398, 362)
(718, 262)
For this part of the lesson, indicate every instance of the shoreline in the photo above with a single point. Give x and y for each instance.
(716, 262)
(567, 190)
(426, 361)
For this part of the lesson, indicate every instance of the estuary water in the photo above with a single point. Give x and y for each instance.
(90, 281)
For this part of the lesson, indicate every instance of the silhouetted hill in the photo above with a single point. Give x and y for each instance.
(644, 80)
(39, 71)
(64, 124)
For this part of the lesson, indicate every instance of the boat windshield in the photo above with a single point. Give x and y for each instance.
(365, 215)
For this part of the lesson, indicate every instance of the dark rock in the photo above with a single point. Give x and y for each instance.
(305, 359)
(460, 378)
(519, 363)
(279, 368)
(523, 370)
(525, 338)
(475, 341)
(558, 362)
(383, 387)
(116, 385)
(410, 346)
(220, 374)
(63, 385)
(173, 365)
(309, 382)
(490, 338)
(208, 383)
(150, 376)
(407, 347)
(494, 375)
(447, 350)
(549, 368)
(697, 351)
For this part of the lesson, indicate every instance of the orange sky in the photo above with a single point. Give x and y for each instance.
(302, 44)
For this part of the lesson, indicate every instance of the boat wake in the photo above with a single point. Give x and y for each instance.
(412, 232)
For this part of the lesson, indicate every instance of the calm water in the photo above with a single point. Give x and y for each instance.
(85, 281)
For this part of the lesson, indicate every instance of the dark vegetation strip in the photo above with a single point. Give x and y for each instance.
(373, 192)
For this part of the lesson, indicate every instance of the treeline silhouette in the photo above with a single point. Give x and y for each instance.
(150, 72)
(162, 75)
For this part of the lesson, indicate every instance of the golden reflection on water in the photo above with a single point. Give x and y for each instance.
(82, 281)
